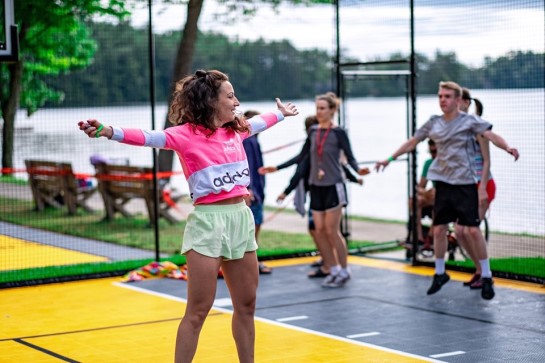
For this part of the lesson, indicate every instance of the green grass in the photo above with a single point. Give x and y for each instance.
(350, 217)
(133, 232)
(12, 180)
(136, 232)
(49, 273)
(527, 266)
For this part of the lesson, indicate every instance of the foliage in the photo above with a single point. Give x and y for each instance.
(514, 70)
(529, 66)
(229, 10)
(444, 67)
(118, 73)
(296, 74)
(276, 63)
(53, 40)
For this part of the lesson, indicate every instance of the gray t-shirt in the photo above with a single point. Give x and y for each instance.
(325, 147)
(478, 161)
(454, 163)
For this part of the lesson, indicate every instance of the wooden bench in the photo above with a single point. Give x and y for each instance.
(118, 184)
(54, 184)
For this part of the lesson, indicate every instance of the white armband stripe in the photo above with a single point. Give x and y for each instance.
(155, 138)
(118, 134)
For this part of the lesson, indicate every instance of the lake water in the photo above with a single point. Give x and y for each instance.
(376, 126)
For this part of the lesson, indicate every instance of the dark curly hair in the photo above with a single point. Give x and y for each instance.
(479, 107)
(194, 102)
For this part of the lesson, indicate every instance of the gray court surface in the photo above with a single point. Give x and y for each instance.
(391, 309)
(109, 250)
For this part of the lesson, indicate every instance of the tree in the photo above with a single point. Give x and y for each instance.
(186, 48)
(182, 65)
(53, 39)
(516, 70)
(445, 67)
(120, 64)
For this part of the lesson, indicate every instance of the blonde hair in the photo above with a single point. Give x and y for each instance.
(331, 99)
(452, 86)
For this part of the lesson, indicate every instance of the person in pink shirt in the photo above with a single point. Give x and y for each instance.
(207, 137)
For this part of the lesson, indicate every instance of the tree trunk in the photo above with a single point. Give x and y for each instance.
(9, 110)
(182, 67)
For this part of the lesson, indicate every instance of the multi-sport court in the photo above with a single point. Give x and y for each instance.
(382, 315)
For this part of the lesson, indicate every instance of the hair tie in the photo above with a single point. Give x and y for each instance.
(201, 73)
(97, 135)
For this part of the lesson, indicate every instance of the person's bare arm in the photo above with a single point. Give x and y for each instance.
(422, 183)
(406, 147)
(500, 142)
(484, 143)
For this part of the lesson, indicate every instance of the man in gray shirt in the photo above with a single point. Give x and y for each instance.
(456, 198)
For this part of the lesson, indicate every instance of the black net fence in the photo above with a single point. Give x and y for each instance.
(72, 207)
(461, 42)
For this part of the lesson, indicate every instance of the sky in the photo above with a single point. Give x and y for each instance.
(473, 29)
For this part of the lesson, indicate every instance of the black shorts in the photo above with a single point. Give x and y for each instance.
(427, 211)
(326, 198)
(456, 203)
(311, 226)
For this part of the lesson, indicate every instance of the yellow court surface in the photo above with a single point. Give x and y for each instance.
(20, 254)
(102, 321)
(381, 315)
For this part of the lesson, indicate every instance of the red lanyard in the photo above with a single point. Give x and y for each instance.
(320, 143)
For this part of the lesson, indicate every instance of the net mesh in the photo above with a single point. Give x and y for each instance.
(495, 48)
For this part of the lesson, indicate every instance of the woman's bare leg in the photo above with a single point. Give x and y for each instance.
(242, 278)
(329, 254)
(463, 238)
(327, 227)
(201, 292)
(328, 259)
(332, 222)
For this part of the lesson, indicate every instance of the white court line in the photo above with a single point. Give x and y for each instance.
(287, 326)
(449, 354)
(226, 301)
(292, 318)
(370, 334)
(139, 289)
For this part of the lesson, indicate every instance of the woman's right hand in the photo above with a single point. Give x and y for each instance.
(381, 165)
(364, 171)
(267, 169)
(91, 127)
(280, 198)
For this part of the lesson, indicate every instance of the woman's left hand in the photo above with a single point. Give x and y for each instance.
(287, 110)
(364, 171)
(514, 152)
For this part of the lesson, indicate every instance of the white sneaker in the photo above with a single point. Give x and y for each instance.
(328, 280)
(337, 281)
